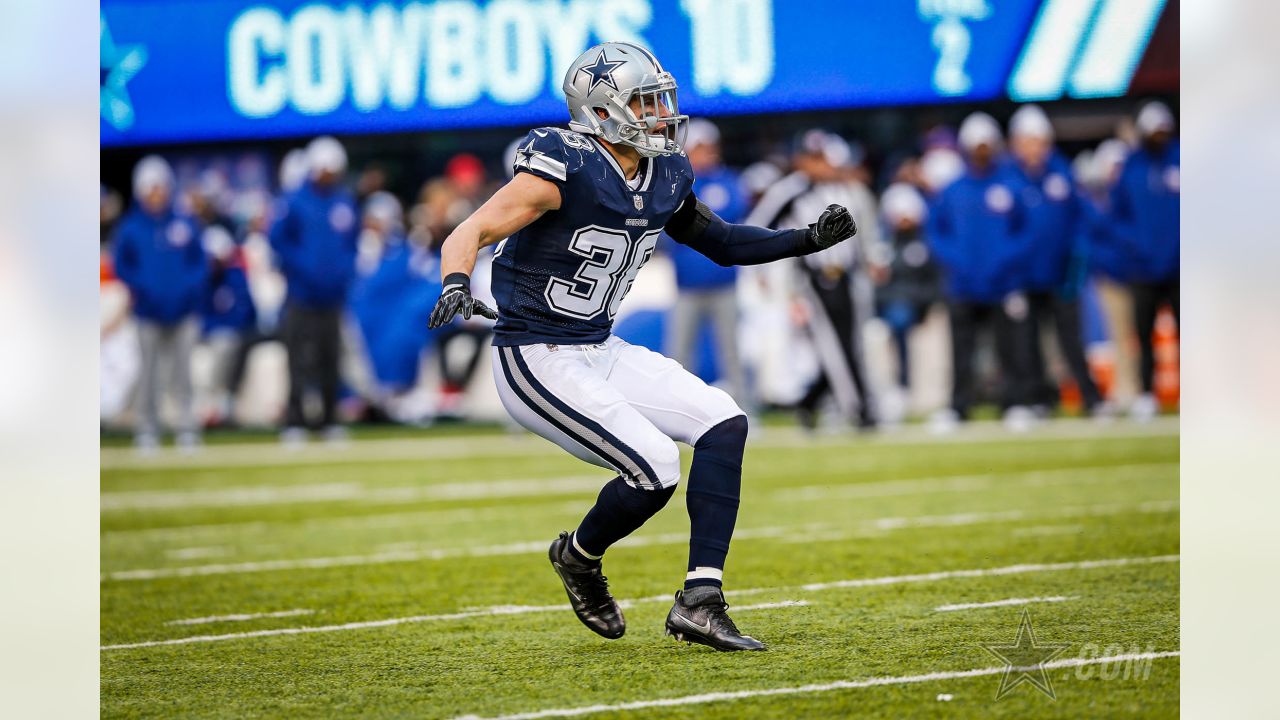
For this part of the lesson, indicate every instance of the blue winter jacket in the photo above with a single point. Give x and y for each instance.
(978, 230)
(1144, 214)
(722, 191)
(392, 306)
(160, 259)
(1095, 231)
(228, 304)
(315, 245)
(1052, 203)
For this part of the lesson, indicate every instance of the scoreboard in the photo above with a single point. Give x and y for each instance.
(212, 70)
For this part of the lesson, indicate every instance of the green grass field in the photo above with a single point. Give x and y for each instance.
(407, 577)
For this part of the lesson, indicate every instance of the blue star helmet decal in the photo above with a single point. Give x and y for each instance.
(118, 64)
(601, 71)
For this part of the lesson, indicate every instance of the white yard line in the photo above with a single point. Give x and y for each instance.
(784, 534)
(342, 492)
(1047, 530)
(527, 547)
(523, 609)
(241, 617)
(196, 553)
(823, 687)
(772, 605)
(405, 518)
(1002, 603)
(466, 614)
(257, 495)
(984, 572)
(963, 483)
(435, 448)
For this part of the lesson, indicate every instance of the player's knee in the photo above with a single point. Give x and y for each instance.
(718, 404)
(727, 439)
(664, 457)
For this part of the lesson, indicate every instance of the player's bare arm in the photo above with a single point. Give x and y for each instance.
(514, 206)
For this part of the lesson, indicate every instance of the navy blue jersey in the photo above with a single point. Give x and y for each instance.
(562, 278)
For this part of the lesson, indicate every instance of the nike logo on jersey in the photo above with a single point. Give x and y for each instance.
(539, 133)
(705, 628)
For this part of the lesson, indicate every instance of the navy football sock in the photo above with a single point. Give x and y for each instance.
(620, 510)
(715, 483)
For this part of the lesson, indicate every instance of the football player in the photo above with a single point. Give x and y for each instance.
(574, 226)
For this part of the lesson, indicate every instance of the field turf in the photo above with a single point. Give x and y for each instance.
(407, 577)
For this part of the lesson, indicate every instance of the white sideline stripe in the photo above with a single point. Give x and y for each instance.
(1002, 603)
(270, 454)
(523, 609)
(823, 687)
(783, 534)
(239, 617)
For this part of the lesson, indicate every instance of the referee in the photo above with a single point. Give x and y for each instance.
(832, 281)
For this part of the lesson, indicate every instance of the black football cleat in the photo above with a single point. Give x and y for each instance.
(588, 591)
(701, 615)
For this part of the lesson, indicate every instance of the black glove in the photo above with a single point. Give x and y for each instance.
(456, 298)
(833, 226)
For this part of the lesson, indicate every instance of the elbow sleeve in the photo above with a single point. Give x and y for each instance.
(690, 221)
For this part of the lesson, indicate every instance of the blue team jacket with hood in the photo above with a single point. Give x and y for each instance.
(1053, 215)
(228, 303)
(392, 305)
(160, 259)
(977, 229)
(1144, 214)
(315, 245)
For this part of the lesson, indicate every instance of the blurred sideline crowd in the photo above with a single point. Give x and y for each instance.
(989, 268)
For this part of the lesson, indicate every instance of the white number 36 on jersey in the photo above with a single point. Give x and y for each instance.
(603, 279)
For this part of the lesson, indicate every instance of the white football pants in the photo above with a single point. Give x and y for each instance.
(615, 405)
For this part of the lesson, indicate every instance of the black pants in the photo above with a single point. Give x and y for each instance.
(240, 364)
(836, 329)
(1047, 307)
(967, 320)
(1147, 299)
(314, 341)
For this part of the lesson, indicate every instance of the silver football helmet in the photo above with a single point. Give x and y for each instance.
(609, 78)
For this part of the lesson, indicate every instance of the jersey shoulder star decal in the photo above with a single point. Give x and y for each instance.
(526, 154)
